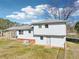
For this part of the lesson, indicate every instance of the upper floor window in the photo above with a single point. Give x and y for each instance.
(29, 31)
(46, 25)
(20, 31)
(40, 26)
(32, 27)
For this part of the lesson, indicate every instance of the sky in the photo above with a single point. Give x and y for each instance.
(26, 11)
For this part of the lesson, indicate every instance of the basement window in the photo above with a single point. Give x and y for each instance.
(20, 32)
(41, 37)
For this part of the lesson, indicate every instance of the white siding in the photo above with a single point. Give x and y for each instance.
(50, 41)
(58, 42)
(56, 29)
(39, 41)
(25, 35)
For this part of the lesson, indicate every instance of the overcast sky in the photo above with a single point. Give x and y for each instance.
(24, 11)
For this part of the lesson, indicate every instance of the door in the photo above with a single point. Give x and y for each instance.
(48, 41)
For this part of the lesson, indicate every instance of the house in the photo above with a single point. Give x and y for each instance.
(25, 33)
(10, 33)
(21, 32)
(48, 33)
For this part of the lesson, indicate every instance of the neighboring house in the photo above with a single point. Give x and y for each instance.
(21, 32)
(10, 33)
(48, 33)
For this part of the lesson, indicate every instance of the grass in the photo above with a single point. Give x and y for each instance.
(72, 50)
(10, 49)
(15, 50)
(73, 36)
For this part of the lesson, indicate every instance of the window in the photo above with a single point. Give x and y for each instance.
(29, 31)
(32, 27)
(20, 31)
(46, 25)
(40, 26)
(41, 37)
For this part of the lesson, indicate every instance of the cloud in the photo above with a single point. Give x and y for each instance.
(77, 1)
(76, 13)
(39, 9)
(76, 9)
(18, 15)
(76, 4)
(29, 12)
(43, 11)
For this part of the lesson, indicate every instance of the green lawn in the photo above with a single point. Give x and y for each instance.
(15, 50)
(73, 36)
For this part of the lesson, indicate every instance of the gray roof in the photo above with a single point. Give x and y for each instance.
(49, 22)
(21, 27)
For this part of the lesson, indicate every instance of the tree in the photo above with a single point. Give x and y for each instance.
(5, 23)
(77, 27)
(63, 13)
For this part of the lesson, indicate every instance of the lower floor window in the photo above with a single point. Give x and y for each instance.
(29, 31)
(21, 32)
(41, 37)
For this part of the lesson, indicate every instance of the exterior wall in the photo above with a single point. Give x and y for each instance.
(10, 34)
(53, 29)
(25, 35)
(51, 41)
(39, 41)
(1, 33)
(58, 42)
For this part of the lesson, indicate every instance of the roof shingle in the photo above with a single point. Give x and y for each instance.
(22, 27)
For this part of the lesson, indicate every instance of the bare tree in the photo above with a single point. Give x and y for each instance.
(52, 12)
(63, 13)
(67, 12)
